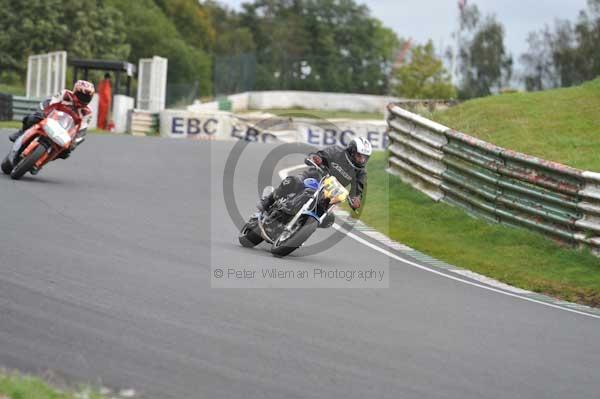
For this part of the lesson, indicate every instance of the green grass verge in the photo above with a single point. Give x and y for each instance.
(10, 124)
(325, 114)
(15, 90)
(518, 257)
(561, 125)
(16, 386)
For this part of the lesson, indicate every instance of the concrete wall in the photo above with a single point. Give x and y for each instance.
(319, 100)
(264, 100)
(94, 107)
(261, 100)
(121, 107)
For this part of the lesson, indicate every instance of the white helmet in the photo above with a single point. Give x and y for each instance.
(359, 150)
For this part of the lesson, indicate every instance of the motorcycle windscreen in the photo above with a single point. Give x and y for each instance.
(57, 127)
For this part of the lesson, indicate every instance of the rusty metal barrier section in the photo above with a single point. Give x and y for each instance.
(494, 183)
(23, 106)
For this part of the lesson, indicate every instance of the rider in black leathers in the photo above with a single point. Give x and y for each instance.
(346, 164)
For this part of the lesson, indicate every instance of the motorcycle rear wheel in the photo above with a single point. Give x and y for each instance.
(27, 163)
(6, 166)
(283, 247)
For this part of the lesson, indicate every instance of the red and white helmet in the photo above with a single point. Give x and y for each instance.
(84, 91)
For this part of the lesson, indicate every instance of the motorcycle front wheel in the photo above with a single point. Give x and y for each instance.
(287, 243)
(27, 163)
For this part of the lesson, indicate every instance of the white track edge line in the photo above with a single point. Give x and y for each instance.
(422, 267)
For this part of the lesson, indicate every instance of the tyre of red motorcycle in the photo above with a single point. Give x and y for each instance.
(27, 163)
(6, 165)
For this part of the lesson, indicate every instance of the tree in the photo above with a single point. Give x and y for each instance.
(94, 30)
(424, 76)
(281, 40)
(563, 47)
(566, 55)
(84, 29)
(587, 38)
(192, 20)
(539, 72)
(231, 37)
(484, 63)
(325, 45)
(150, 32)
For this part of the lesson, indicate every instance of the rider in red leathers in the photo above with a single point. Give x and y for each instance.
(77, 100)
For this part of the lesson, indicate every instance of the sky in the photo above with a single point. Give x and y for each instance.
(437, 19)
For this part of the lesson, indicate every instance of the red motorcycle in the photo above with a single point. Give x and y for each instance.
(45, 141)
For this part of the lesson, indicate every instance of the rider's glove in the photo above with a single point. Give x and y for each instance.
(317, 160)
(355, 203)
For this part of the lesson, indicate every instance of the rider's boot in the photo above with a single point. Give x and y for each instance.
(267, 199)
(65, 154)
(14, 136)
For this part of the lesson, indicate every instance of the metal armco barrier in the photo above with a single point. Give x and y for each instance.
(23, 106)
(142, 123)
(494, 183)
(6, 111)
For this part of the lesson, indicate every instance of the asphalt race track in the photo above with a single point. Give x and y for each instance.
(105, 267)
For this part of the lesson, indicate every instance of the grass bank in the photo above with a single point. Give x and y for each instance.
(518, 257)
(16, 386)
(561, 125)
